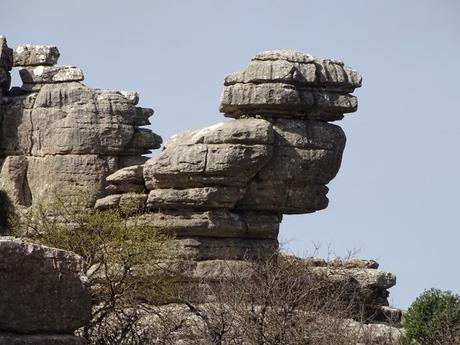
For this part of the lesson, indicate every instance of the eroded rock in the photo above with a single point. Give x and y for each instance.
(42, 289)
(33, 55)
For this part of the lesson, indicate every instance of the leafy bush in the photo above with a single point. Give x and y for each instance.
(434, 319)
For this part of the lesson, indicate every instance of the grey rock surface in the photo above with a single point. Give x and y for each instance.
(68, 135)
(42, 289)
(50, 74)
(132, 174)
(275, 158)
(40, 339)
(285, 82)
(204, 248)
(198, 198)
(215, 223)
(33, 55)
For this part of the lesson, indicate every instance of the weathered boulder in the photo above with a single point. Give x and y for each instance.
(50, 74)
(34, 55)
(283, 82)
(228, 154)
(42, 289)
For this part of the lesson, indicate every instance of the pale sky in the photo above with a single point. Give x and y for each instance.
(395, 198)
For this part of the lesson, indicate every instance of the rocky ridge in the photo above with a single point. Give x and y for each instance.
(58, 133)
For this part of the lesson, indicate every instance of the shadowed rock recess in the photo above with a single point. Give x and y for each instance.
(222, 190)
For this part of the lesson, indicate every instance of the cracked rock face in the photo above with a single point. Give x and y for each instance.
(58, 133)
(43, 290)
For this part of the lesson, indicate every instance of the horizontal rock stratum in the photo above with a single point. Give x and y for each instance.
(57, 133)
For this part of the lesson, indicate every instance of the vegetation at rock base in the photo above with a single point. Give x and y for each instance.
(122, 260)
(433, 319)
(139, 299)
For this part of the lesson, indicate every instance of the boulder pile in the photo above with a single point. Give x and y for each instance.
(44, 296)
(58, 133)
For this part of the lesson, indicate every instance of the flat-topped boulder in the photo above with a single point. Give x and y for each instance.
(50, 74)
(34, 55)
(292, 84)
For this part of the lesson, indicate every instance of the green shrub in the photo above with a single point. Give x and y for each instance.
(434, 318)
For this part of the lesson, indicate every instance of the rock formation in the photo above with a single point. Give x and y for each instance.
(56, 132)
(44, 296)
(222, 190)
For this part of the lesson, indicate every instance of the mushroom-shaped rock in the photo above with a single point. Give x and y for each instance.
(291, 82)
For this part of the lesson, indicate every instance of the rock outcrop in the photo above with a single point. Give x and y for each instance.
(222, 190)
(58, 133)
(44, 296)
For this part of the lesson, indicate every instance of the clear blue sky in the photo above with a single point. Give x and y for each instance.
(396, 198)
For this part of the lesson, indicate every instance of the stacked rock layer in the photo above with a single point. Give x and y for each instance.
(222, 190)
(58, 133)
(44, 296)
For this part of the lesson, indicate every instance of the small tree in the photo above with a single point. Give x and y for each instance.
(124, 261)
(433, 319)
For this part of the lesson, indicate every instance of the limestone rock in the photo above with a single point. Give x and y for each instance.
(197, 198)
(204, 248)
(40, 339)
(33, 55)
(131, 96)
(59, 134)
(215, 223)
(6, 55)
(197, 165)
(124, 188)
(291, 83)
(69, 135)
(50, 74)
(13, 180)
(131, 174)
(43, 290)
(366, 278)
(108, 202)
(216, 270)
(275, 99)
(129, 202)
